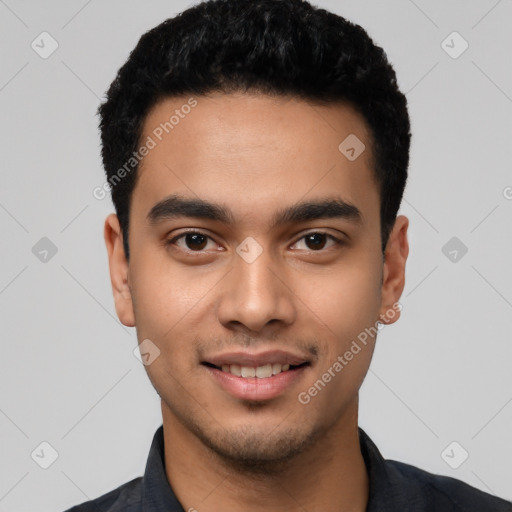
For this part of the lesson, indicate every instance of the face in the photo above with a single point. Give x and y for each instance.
(255, 266)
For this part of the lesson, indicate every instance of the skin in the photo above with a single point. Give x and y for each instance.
(255, 155)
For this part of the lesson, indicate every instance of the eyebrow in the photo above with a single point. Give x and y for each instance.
(175, 206)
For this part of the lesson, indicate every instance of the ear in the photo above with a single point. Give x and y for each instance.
(118, 270)
(393, 279)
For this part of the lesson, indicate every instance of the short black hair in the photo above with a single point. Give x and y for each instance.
(275, 47)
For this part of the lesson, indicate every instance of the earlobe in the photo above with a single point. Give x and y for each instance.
(393, 281)
(119, 268)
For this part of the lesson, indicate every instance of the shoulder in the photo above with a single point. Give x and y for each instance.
(126, 498)
(445, 493)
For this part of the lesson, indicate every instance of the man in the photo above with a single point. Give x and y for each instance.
(257, 153)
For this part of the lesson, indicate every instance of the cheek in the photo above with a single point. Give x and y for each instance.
(165, 298)
(166, 309)
(345, 311)
(346, 301)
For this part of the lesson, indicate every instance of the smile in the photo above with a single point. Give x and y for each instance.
(260, 372)
(256, 383)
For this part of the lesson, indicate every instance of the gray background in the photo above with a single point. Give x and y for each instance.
(68, 374)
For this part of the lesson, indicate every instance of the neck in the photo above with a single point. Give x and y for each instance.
(329, 475)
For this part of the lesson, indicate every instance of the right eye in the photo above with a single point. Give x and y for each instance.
(193, 241)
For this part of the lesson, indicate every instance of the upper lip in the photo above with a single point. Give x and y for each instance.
(254, 360)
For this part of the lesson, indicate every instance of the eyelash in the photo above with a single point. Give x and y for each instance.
(337, 241)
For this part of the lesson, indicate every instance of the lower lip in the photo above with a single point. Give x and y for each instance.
(254, 388)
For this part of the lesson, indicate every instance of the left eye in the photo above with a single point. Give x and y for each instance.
(196, 241)
(318, 240)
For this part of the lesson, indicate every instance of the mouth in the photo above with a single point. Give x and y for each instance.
(260, 372)
(258, 377)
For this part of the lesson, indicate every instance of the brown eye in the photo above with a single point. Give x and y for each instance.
(192, 241)
(195, 241)
(316, 241)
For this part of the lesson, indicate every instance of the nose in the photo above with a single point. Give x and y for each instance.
(256, 294)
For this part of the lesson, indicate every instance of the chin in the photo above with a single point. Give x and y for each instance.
(249, 449)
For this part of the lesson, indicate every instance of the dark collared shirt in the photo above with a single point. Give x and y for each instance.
(394, 487)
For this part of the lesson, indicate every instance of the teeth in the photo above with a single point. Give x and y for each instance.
(261, 372)
(248, 372)
(264, 371)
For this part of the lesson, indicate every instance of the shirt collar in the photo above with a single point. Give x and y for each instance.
(157, 494)
(386, 493)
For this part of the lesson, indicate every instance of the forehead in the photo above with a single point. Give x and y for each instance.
(254, 152)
